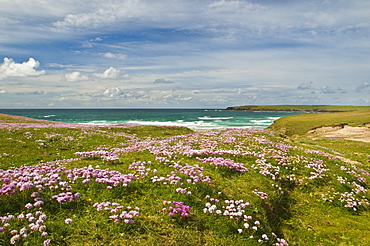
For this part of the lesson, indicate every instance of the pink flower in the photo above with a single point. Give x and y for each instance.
(68, 221)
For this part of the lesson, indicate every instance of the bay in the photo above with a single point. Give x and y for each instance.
(191, 118)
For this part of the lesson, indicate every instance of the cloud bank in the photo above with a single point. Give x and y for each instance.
(184, 53)
(9, 68)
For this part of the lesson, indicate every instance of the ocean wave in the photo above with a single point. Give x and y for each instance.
(214, 118)
(193, 124)
(261, 122)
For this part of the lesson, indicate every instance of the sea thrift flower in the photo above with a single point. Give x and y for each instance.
(68, 221)
(179, 208)
(28, 206)
(15, 239)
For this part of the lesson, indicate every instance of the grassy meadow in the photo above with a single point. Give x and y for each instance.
(70, 184)
(302, 123)
(300, 108)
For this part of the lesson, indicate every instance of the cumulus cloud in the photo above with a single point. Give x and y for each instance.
(75, 76)
(305, 86)
(9, 68)
(112, 92)
(362, 87)
(2, 91)
(167, 96)
(185, 98)
(327, 90)
(162, 81)
(114, 55)
(110, 73)
(39, 92)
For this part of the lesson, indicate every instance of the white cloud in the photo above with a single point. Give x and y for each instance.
(305, 86)
(162, 81)
(327, 90)
(112, 92)
(75, 76)
(115, 55)
(167, 96)
(26, 69)
(110, 73)
(2, 91)
(185, 98)
(39, 92)
(362, 87)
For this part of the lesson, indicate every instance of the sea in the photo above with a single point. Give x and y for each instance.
(191, 118)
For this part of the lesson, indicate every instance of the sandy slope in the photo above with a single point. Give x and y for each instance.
(359, 133)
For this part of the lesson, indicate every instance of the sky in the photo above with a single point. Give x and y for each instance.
(183, 53)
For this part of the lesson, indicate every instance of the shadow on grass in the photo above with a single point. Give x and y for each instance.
(278, 209)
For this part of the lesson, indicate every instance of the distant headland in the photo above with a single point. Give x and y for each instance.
(298, 108)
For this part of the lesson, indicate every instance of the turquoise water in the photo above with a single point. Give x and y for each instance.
(192, 118)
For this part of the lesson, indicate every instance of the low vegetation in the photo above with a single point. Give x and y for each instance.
(70, 184)
(302, 123)
(299, 108)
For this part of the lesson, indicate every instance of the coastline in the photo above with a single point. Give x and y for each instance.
(298, 108)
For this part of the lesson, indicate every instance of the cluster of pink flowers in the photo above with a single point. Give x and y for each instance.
(353, 199)
(32, 223)
(184, 190)
(66, 197)
(260, 194)
(117, 212)
(141, 170)
(194, 173)
(319, 169)
(232, 210)
(108, 156)
(177, 208)
(99, 175)
(52, 125)
(221, 162)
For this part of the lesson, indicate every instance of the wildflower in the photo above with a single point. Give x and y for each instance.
(43, 217)
(15, 239)
(38, 203)
(240, 230)
(68, 221)
(47, 242)
(42, 228)
(23, 231)
(28, 206)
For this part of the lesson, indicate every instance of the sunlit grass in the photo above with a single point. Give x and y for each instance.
(301, 124)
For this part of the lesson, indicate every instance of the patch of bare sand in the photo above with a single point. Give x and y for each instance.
(358, 133)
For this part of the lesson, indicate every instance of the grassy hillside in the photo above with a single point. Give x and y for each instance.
(300, 108)
(68, 184)
(301, 124)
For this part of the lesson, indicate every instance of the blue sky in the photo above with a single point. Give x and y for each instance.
(183, 53)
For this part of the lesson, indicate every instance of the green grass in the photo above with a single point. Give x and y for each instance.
(295, 176)
(301, 124)
(300, 108)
